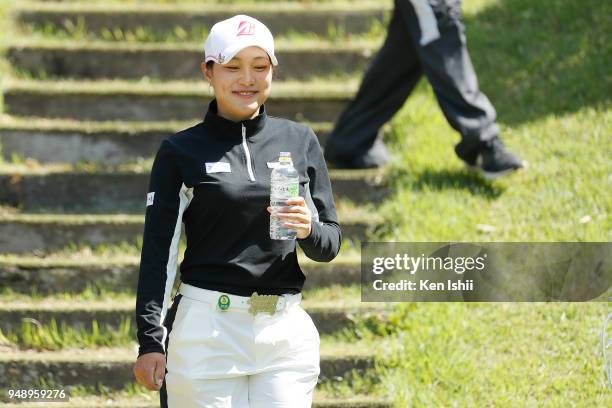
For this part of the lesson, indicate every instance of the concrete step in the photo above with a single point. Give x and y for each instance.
(22, 233)
(196, 19)
(124, 189)
(318, 101)
(109, 60)
(112, 367)
(329, 316)
(355, 401)
(66, 141)
(21, 274)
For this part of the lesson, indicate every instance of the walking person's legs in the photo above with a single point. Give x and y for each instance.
(448, 67)
(388, 81)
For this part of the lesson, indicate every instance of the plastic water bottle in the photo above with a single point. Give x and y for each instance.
(285, 184)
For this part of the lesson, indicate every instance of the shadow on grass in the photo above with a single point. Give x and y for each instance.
(536, 58)
(455, 180)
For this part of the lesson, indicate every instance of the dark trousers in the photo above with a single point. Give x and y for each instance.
(398, 66)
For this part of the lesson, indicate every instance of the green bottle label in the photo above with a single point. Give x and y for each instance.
(292, 190)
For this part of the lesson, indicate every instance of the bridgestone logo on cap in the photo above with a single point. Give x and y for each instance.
(246, 28)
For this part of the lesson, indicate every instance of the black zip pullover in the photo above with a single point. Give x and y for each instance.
(215, 178)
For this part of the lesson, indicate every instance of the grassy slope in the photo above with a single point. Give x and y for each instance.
(555, 113)
(4, 38)
(541, 63)
(502, 355)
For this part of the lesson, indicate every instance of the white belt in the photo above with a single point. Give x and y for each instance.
(227, 301)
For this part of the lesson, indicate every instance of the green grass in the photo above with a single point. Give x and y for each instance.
(122, 252)
(446, 355)
(537, 59)
(74, 27)
(18, 122)
(556, 116)
(20, 163)
(189, 36)
(90, 294)
(190, 3)
(33, 335)
(53, 336)
(57, 336)
(506, 355)
(5, 28)
(436, 198)
(332, 295)
(133, 393)
(338, 86)
(130, 391)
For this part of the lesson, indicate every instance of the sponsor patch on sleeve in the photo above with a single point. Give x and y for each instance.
(150, 197)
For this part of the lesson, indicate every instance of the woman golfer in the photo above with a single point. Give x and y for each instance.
(235, 334)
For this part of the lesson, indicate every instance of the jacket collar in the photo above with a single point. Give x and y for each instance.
(226, 128)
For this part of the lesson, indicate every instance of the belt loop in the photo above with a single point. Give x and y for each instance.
(284, 304)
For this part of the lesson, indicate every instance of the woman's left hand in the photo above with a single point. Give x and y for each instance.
(297, 216)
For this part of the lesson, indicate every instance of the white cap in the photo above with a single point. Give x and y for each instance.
(228, 37)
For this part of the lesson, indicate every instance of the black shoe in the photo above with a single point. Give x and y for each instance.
(492, 159)
(376, 156)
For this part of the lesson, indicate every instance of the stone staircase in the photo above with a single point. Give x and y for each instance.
(95, 87)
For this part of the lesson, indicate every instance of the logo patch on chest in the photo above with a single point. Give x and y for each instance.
(218, 167)
(273, 165)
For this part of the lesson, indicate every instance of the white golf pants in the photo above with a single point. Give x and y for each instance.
(232, 358)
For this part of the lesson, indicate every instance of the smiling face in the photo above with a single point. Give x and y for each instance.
(242, 85)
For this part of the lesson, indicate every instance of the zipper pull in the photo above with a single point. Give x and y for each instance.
(247, 154)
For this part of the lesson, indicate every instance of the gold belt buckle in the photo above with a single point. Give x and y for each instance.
(262, 303)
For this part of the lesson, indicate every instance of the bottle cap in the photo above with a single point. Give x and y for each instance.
(284, 157)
